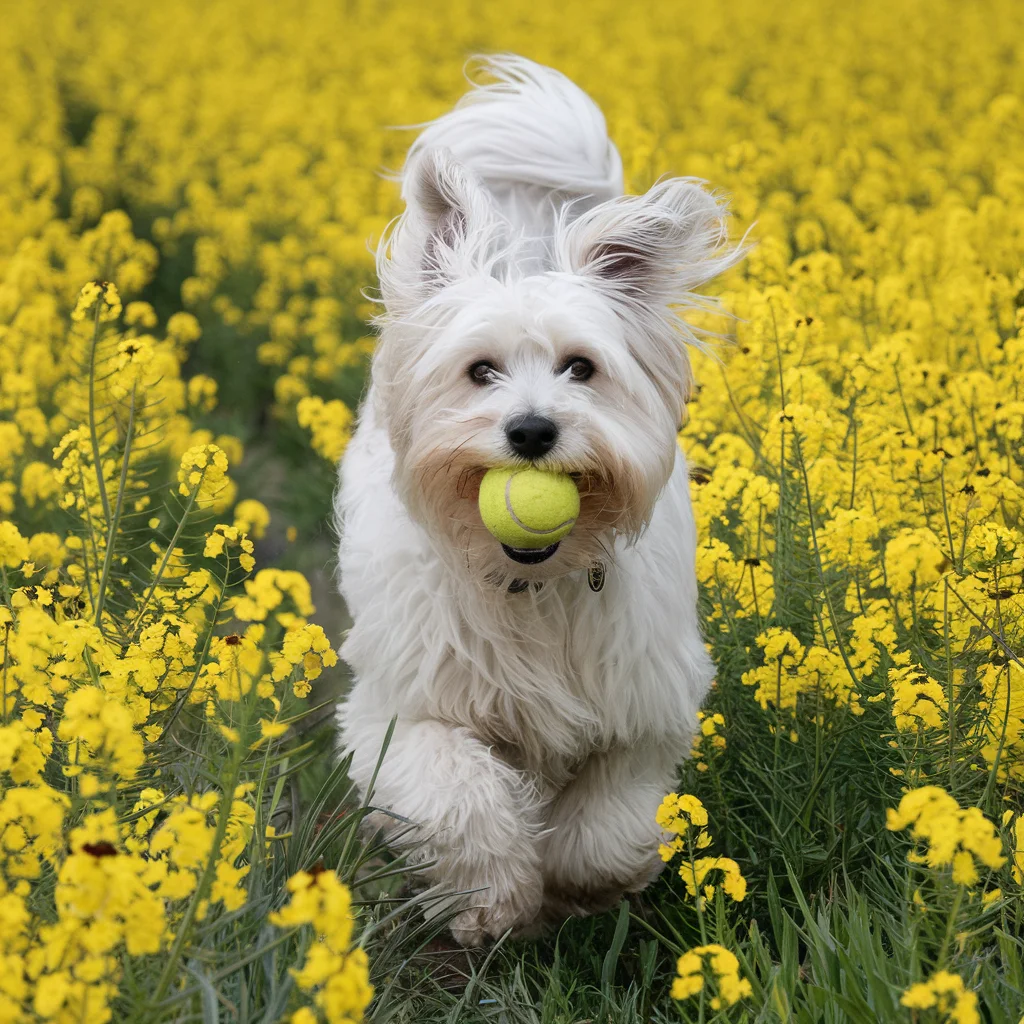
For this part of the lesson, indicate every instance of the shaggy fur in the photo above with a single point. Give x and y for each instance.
(538, 723)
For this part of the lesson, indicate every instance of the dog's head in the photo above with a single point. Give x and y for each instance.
(573, 358)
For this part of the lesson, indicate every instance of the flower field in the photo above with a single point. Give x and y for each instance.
(186, 195)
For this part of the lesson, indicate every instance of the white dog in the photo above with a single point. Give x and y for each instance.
(542, 700)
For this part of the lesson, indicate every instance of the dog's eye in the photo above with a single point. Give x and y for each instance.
(482, 372)
(578, 368)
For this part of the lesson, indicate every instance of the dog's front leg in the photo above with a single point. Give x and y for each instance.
(475, 820)
(603, 839)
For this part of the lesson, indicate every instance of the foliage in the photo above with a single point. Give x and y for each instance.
(140, 744)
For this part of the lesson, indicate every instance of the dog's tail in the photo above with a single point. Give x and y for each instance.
(534, 139)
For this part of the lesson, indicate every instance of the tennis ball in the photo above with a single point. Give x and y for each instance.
(528, 508)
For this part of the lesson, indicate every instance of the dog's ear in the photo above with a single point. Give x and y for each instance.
(449, 208)
(649, 252)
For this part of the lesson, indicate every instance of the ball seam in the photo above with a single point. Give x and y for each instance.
(522, 525)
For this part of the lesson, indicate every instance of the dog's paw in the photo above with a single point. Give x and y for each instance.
(567, 897)
(492, 918)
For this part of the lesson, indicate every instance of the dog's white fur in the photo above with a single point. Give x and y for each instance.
(536, 731)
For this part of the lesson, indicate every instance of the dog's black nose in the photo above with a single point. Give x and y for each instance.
(531, 436)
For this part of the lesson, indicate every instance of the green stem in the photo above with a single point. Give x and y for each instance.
(201, 660)
(158, 576)
(230, 781)
(950, 709)
(258, 851)
(87, 523)
(819, 724)
(696, 886)
(945, 516)
(818, 564)
(97, 465)
(108, 555)
(993, 774)
(997, 638)
(7, 638)
(950, 926)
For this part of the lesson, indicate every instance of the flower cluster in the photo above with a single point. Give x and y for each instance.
(202, 474)
(723, 967)
(708, 741)
(334, 971)
(790, 670)
(917, 699)
(953, 837)
(133, 727)
(685, 818)
(946, 994)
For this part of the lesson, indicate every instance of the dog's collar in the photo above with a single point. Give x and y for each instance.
(596, 576)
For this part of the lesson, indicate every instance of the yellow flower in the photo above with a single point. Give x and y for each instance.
(13, 547)
(267, 592)
(271, 730)
(918, 700)
(227, 885)
(202, 392)
(109, 892)
(21, 754)
(677, 813)
(335, 974)
(100, 731)
(708, 741)
(233, 536)
(914, 558)
(252, 518)
(954, 837)
(685, 817)
(330, 423)
(306, 647)
(47, 549)
(140, 314)
(107, 295)
(184, 327)
(203, 472)
(723, 966)
(39, 483)
(694, 875)
(947, 995)
(86, 299)
(792, 669)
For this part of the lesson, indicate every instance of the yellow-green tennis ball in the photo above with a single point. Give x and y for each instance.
(528, 508)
